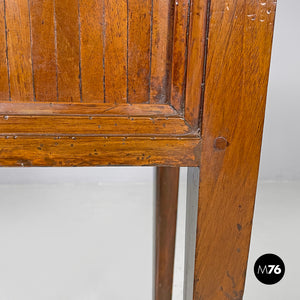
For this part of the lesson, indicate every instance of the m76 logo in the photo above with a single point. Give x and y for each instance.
(269, 269)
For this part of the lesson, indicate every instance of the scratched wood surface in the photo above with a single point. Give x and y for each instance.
(238, 59)
(28, 151)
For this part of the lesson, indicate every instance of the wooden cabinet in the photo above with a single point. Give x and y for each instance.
(147, 82)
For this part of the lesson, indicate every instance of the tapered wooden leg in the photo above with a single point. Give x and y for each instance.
(235, 86)
(218, 228)
(167, 179)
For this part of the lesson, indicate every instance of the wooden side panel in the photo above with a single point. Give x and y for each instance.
(68, 50)
(4, 85)
(239, 49)
(161, 39)
(19, 50)
(91, 28)
(179, 54)
(94, 51)
(43, 50)
(139, 17)
(115, 51)
(196, 53)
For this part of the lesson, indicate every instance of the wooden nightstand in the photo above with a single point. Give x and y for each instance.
(148, 83)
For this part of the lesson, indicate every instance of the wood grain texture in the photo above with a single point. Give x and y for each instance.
(228, 57)
(4, 86)
(239, 49)
(43, 50)
(68, 50)
(19, 50)
(81, 109)
(91, 29)
(160, 55)
(98, 151)
(196, 59)
(115, 51)
(93, 125)
(179, 55)
(139, 17)
(167, 181)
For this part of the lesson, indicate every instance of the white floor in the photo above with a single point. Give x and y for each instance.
(276, 229)
(93, 241)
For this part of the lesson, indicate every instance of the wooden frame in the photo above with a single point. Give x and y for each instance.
(200, 103)
(51, 98)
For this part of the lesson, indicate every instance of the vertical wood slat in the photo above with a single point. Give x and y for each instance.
(92, 72)
(179, 54)
(19, 50)
(160, 41)
(195, 64)
(139, 16)
(43, 50)
(115, 51)
(68, 50)
(4, 85)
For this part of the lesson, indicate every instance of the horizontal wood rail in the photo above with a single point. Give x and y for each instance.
(57, 151)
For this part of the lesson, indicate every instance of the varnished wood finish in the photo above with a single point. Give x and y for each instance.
(149, 82)
(167, 180)
(68, 51)
(139, 34)
(17, 19)
(88, 125)
(160, 42)
(179, 57)
(239, 48)
(91, 50)
(98, 51)
(4, 87)
(43, 49)
(196, 60)
(91, 59)
(115, 51)
(82, 109)
(17, 151)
